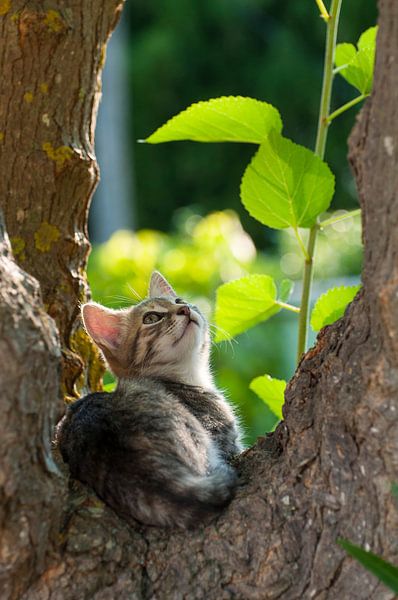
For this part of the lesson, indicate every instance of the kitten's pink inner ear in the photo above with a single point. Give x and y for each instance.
(159, 286)
(103, 325)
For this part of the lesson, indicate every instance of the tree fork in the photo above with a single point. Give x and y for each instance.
(324, 473)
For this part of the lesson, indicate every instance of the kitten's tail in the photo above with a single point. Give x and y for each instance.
(215, 489)
(200, 496)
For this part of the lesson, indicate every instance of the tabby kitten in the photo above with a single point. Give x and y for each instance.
(157, 448)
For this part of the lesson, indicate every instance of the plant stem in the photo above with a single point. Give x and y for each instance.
(348, 215)
(331, 35)
(346, 106)
(301, 243)
(322, 9)
(306, 294)
(290, 307)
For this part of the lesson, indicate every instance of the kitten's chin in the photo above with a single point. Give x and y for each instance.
(190, 336)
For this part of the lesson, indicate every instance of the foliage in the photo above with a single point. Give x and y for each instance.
(263, 49)
(243, 303)
(331, 306)
(199, 256)
(227, 119)
(386, 572)
(356, 65)
(271, 391)
(202, 253)
(285, 185)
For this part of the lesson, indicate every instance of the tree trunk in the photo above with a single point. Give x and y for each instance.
(51, 63)
(325, 473)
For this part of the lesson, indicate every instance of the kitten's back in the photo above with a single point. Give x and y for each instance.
(146, 455)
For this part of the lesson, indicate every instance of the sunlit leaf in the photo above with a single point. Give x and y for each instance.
(271, 391)
(386, 572)
(109, 387)
(242, 303)
(344, 54)
(357, 65)
(286, 185)
(225, 119)
(331, 306)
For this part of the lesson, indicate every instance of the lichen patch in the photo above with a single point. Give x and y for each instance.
(59, 155)
(45, 236)
(5, 6)
(54, 21)
(18, 247)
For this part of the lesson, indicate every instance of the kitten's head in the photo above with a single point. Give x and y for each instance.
(161, 336)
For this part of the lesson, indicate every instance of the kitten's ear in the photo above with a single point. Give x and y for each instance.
(103, 325)
(159, 286)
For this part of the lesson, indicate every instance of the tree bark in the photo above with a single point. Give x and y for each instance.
(51, 60)
(325, 473)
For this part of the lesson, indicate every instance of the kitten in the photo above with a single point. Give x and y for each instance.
(157, 448)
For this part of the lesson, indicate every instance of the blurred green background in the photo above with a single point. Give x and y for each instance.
(188, 220)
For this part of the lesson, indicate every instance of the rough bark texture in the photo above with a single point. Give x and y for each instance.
(325, 473)
(51, 56)
(31, 501)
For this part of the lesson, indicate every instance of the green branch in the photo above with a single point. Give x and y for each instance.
(333, 220)
(322, 9)
(301, 243)
(286, 306)
(331, 35)
(346, 106)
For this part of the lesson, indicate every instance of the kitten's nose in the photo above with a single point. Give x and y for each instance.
(184, 310)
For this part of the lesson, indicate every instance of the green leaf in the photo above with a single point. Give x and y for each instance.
(285, 289)
(331, 306)
(394, 490)
(109, 387)
(367, 39)
(271, 391)
(286, 185)
(344, 54)
(226, 119)
(356, 66)
(242, 303)
(386, 572)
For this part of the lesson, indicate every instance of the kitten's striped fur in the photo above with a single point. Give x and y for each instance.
(156, 449)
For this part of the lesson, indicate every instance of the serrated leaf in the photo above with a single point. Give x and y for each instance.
(356, 65)
(285, 289)
(242, 303)
(286, 185)
(271, 391)
(225, 119)
(331, 306)
(383, 570)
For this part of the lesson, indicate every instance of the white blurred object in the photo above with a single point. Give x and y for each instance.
(113, 202)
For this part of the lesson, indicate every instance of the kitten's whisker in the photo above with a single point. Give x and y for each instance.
(115, 299)
(134, 292)
(214, 326)
(228, 339)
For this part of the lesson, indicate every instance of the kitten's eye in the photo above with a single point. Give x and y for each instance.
(152, 317)
(180, 301)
